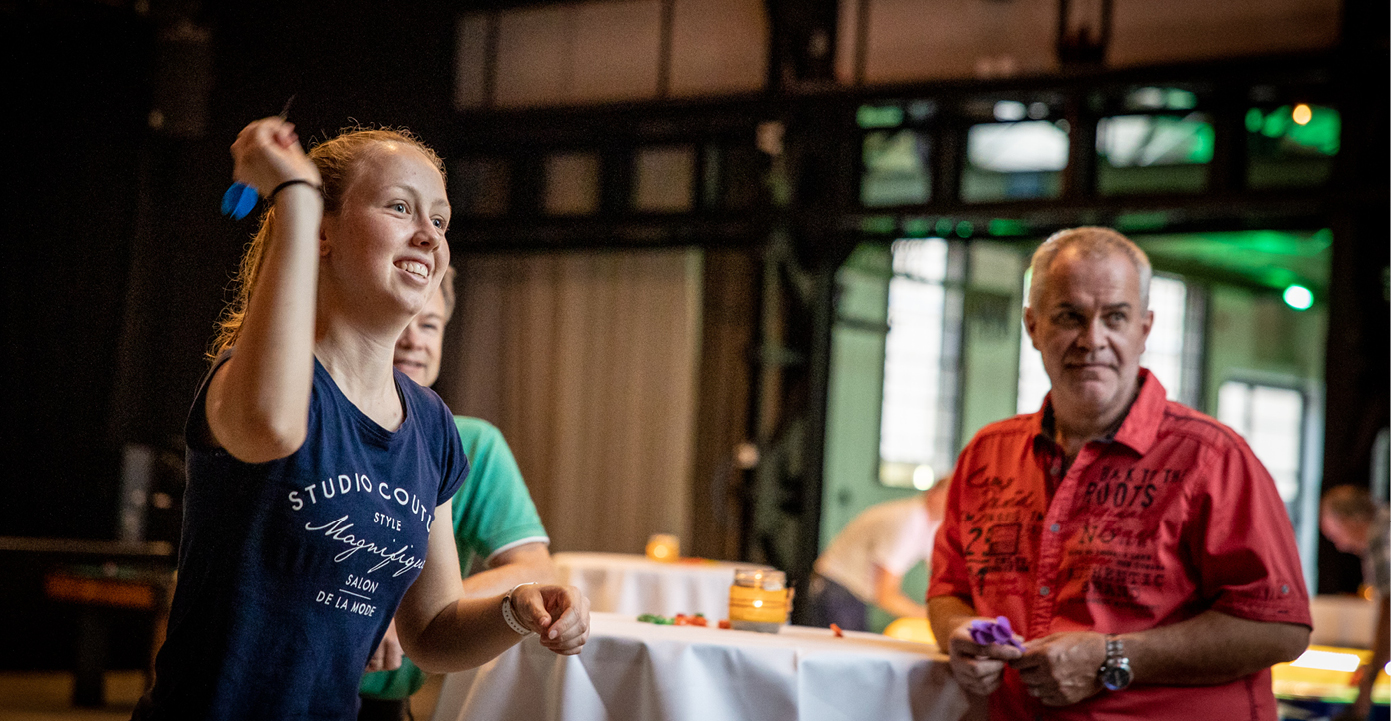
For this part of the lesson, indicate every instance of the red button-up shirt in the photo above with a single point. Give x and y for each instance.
(1170, 517)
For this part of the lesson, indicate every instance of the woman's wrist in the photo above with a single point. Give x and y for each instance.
(309, 184)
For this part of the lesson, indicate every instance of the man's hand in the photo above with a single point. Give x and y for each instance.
(1061, 669)
(978, 668)
(559, 614)
(387, 657)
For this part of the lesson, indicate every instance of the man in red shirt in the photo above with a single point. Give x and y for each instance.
(1137, 545)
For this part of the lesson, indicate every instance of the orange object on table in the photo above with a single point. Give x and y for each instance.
(759, 599)
(664, 547)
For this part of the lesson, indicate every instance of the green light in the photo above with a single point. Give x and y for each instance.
(1321, 132)
(1277, 122)
(964, 229)
(1004, 227)
(944, 227)
(1298, 297)
(1180, 99)
(878, 224)
(879, 116)
(1204, 140)
(1153, 220)
(917, 228)
(1255, 119)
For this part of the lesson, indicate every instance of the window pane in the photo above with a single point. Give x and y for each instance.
(481, 186)
(1276, 422)
(1033, 378)
(1153, 153)
(572, 184)
(1160, 98)
(895, 169)
(916, 426)
(663, 179)
(1291, 146)
(717, 47)
(1164, 348)
(924, 260)
(1006, 161)
(1234, 406)
(1271, 419)
(913, 348)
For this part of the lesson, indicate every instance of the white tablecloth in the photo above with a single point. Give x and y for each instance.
(632, 671)
(634, 585)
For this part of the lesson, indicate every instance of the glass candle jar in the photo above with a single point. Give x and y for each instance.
(759, 600)
(663, 547)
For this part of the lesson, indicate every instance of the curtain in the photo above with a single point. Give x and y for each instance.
(588, 362)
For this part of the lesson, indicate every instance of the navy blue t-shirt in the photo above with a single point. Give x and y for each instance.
(290, 571)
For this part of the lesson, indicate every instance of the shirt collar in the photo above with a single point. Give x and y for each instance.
(1138, 429)
(1141, 424)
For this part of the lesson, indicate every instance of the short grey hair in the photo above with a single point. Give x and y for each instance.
(1090, 242)
(1349, 503)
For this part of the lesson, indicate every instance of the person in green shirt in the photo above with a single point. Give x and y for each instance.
(494, 517)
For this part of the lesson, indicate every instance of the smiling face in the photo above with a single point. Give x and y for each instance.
(384, 248)
(421, 343)
(1090, 324)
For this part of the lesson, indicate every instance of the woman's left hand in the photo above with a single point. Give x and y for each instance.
(388, 655)
(558, 614)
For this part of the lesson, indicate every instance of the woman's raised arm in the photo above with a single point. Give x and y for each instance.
(258, 401)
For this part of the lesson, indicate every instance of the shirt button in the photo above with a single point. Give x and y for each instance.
(1043, 591)
(1285, 588)
(1055, 528)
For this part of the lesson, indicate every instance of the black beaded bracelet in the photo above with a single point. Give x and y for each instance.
(271, 198)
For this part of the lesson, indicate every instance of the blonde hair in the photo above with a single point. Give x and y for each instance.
(1089, 241)
(336, 158)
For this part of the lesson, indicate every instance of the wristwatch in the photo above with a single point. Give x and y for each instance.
(509, 612)
(1115, 672)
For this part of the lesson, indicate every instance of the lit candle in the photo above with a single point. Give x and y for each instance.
(663, 547)
(759, 600)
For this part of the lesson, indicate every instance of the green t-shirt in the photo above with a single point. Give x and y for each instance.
(492, 513)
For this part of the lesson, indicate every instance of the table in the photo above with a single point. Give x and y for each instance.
(90, 589)
(634, 585)
(632, 671)
(1319, 683)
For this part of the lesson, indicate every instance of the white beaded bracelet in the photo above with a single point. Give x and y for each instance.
(509, 615)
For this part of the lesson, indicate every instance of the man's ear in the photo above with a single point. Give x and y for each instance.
(323, 240)
(1031, 325)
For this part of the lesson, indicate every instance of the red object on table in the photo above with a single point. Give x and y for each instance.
(837, 631)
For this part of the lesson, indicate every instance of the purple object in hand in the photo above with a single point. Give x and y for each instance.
(997, 631)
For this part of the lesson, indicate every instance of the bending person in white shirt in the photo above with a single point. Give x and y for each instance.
(866, 562)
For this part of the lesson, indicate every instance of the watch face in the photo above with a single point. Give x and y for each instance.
(1115, 677)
